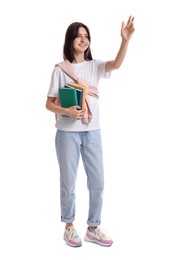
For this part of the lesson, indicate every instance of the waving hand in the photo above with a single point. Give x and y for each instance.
(128, 30)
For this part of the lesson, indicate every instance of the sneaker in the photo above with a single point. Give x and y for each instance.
(98, 236)
(71, 237)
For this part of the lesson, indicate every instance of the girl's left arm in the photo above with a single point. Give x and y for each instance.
(126, 33)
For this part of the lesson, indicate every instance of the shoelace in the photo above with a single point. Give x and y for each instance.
(72, 233)
(101, 234)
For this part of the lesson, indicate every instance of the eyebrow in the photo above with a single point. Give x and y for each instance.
(86, 34)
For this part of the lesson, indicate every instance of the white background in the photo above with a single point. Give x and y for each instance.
(137, 118)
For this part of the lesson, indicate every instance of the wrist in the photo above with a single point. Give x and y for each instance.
(62, 111)
(125, 40)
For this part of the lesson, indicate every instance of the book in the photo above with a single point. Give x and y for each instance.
(79, 94)
(80, 87)
(68, 97)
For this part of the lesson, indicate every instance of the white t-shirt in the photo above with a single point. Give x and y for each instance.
(91, 71)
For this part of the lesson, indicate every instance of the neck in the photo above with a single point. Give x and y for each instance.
(78, 59)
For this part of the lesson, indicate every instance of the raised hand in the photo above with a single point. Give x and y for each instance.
(128, 30)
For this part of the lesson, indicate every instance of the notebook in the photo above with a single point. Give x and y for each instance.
(79, 94)
(68, 97)
(82, 88)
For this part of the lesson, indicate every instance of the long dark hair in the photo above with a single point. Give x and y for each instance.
(71, 34)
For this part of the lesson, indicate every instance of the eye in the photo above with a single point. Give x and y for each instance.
(85, 36)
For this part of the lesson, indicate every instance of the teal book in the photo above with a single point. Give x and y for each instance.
(79, 95)
(68, 97)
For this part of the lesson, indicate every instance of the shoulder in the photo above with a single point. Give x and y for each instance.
(57, 68)
(96, 62)
(56, 72)
(98, 65)
(57, 65)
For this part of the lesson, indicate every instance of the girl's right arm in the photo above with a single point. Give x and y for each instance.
(73, 111)
(53, 107)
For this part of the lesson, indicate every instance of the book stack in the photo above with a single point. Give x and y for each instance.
(72, 94)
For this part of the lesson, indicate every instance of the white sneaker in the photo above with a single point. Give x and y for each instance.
(71, 237)
(98, 236)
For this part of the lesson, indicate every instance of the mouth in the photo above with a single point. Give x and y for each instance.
(83, 45)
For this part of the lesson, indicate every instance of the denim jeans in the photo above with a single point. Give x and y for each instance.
(69, 147)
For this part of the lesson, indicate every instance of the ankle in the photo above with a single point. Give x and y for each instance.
(90, 228)
(68, 225)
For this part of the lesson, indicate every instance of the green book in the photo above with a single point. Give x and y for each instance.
(68, 97)
(79, 95)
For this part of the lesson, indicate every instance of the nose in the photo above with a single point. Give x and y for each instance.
(82, 38)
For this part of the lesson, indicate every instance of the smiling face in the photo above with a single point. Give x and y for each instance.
(81, 42)
(77, 43)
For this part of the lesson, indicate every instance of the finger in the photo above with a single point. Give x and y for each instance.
(77, 107)
(80, 113)
(122, 25)
(132, 24)
(130, 20)
(79, 117)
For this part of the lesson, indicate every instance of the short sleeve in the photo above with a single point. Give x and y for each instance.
(54, 84)
(101, 69)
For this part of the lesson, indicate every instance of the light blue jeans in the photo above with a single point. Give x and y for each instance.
(69, 147)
